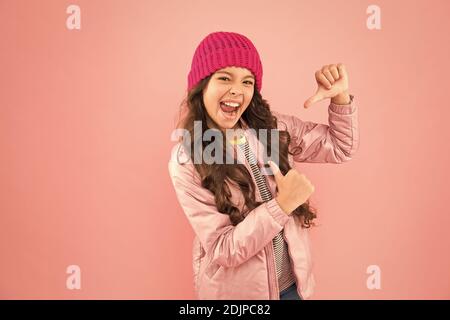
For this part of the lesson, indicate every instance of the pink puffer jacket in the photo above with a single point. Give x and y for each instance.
(237, 262)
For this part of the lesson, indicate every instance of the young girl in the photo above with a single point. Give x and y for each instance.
(251, 229)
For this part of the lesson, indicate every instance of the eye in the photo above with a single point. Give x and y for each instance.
(226, 78)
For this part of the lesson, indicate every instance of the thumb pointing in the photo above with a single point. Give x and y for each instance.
(276, 171)
(311, 101)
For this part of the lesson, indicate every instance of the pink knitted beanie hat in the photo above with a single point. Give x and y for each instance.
(224, 49)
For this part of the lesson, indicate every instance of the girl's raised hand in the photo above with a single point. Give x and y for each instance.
(332, 81)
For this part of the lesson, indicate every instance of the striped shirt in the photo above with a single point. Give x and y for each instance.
(283, 264)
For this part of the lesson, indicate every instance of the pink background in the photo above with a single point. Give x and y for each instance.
(85, 123)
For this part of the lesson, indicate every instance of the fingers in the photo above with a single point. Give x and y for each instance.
(329, 74)
(322, 79)
(342, 70)
(334, 71)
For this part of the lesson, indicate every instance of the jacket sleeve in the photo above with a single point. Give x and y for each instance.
(228, 245)
(332, 143)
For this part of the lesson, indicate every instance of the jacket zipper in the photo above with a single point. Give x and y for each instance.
(292, 266)
(273, 280)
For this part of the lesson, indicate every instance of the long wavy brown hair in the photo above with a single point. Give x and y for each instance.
(216, 176)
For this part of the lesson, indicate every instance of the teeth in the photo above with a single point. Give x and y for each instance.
(231, 104)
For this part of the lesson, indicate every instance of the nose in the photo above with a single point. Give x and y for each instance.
(234, 92)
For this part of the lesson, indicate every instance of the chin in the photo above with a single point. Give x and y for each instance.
(230, 125)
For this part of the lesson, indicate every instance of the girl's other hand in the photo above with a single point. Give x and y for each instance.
(293, 188)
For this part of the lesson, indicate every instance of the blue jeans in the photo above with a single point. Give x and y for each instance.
(290, 293)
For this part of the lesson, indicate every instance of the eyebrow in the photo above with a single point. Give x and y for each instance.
(249, 76)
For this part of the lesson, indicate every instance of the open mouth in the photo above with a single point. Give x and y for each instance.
(230, 109)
